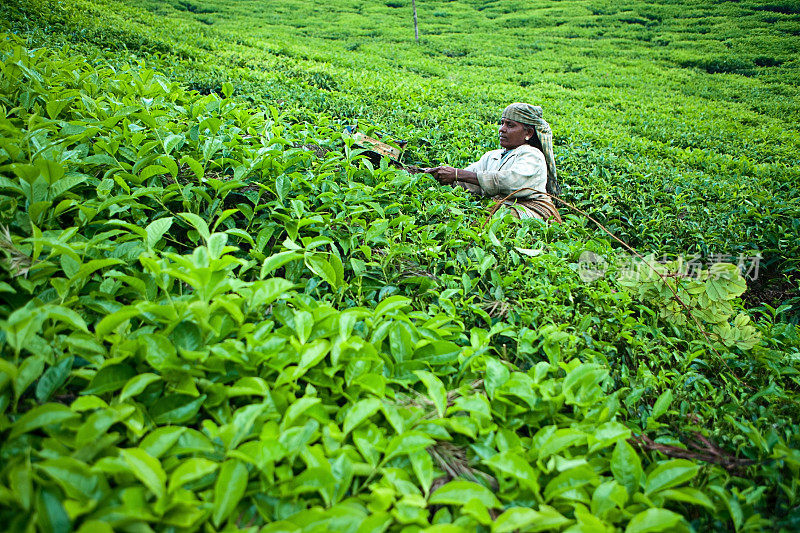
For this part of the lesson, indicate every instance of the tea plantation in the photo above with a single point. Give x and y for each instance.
(217, 312)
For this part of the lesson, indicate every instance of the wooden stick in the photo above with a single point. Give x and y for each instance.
(416, 31)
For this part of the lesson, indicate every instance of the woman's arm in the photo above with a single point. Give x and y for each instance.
(448, 175)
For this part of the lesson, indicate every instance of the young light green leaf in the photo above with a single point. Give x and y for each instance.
(172, 142)
(322, 268)
(391, 304)
(51, 171)
(55, 107)
(459, 492)
(360, 411)
(156, 229)
(161, 440)
(147, 469)
(653, 520)
(263, 293)
(525, 519)
(515, 466)
(560, 440)
(408, 442)
(196, 167)
(216, 244)
(229, 489)
(422, 464)
(198, 223)
(662, 404)
(110, 322)
(137, 384)
(496, 375)
(670, 474)
(190, 470)
(28, 372)
(152, 170)
(436, 390)
(688, 495)
(42, 416)
(626, 466)
(276, 261)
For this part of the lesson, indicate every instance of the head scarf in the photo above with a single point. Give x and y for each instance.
(531, 115)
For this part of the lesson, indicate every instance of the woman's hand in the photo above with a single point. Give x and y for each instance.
(444, 174)
(448, 175)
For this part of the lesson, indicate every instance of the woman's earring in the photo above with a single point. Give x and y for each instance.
(528, 138)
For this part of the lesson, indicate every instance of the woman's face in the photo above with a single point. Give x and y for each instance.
(512, 133)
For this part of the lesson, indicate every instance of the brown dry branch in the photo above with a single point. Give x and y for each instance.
(497, 308)
(318, 150)
(423, 402)
(19, 263)
(452, 460)
(410, 269)
(699, 449)
(630, 248)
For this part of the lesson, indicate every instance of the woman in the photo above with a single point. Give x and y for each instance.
(524, 162)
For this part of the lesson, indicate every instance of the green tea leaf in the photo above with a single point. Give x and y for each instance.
(525, 519)
(136, 385)
(176, 408)
(42, 416)
(51, 516)
(687, 495)
(670, 474)
(626, 466)
(229, 489)
(515, 466)
(359, 412)
(436, 390)
(652, 520)
(172, 142)
(109, 379)
(459, 492)
(391, 304)
(560, 440)
(197, 223)
(156, 230)
(195, 166)
(496, 375)
(152, 170)
(147, 469)
(406, 443)
(662, 404)
(51, 171)
(190, 470)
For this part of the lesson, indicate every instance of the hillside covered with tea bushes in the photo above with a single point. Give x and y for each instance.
(218, 314)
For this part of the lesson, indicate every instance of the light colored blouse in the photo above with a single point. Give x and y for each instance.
(501, 172)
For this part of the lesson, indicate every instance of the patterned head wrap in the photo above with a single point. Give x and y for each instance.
(531, 115)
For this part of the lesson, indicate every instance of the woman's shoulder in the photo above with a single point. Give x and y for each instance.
(528, 149)
(495, 154)
(527, 154)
